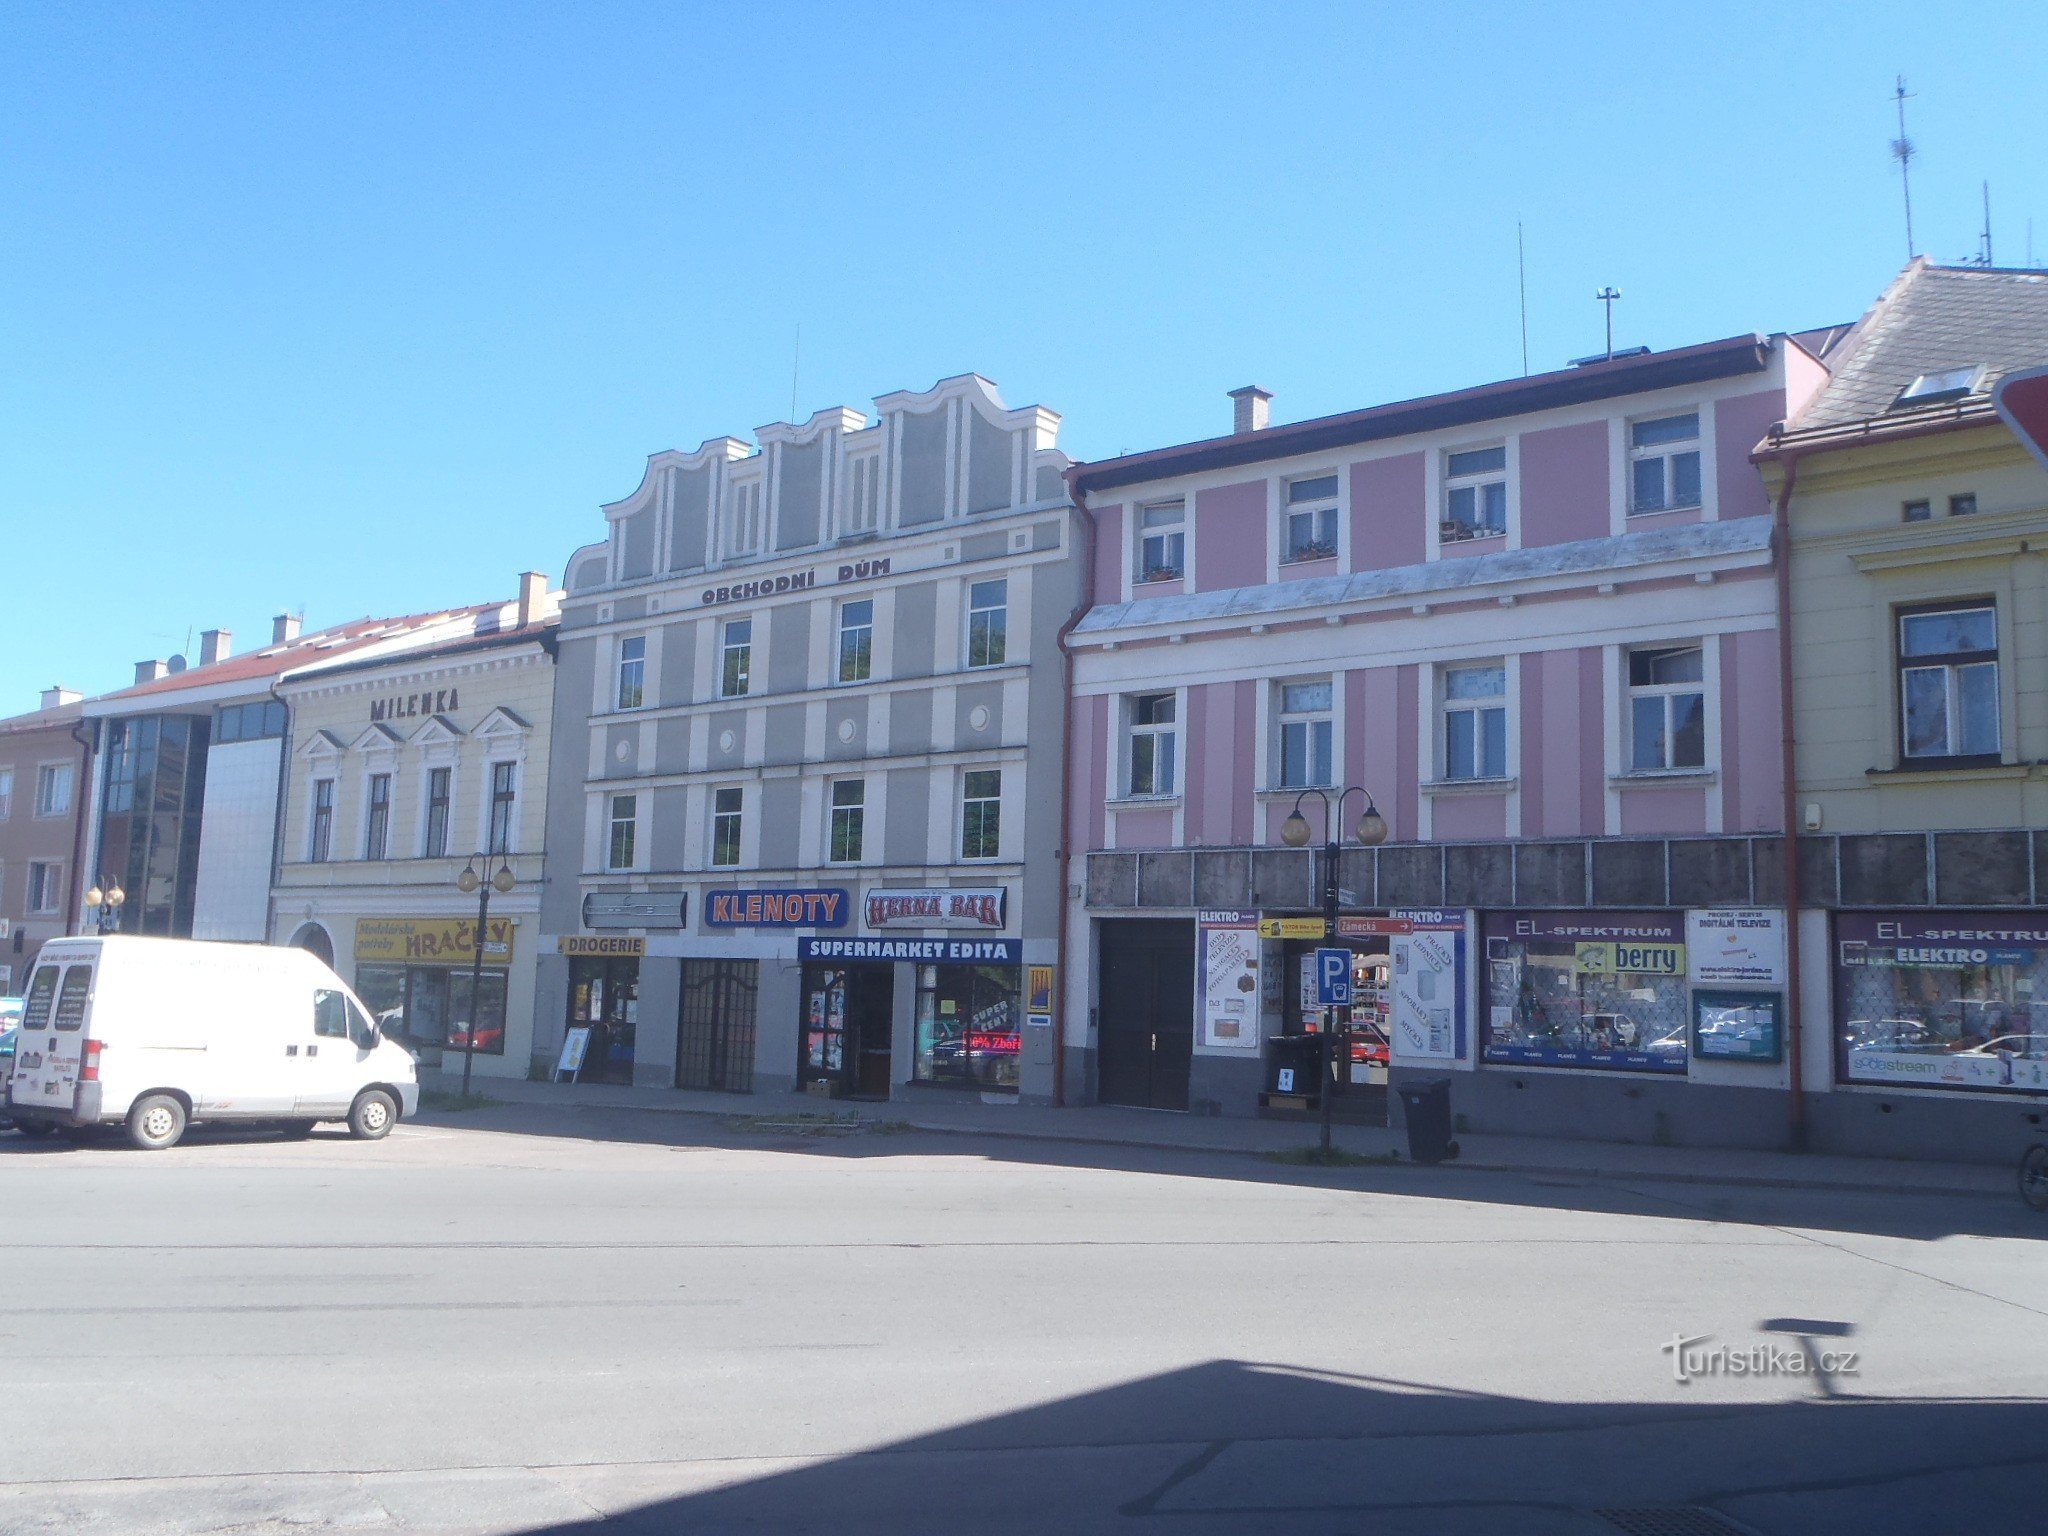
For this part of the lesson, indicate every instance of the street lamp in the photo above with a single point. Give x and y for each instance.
(1294, 832)
(469, 880)
(106, 906)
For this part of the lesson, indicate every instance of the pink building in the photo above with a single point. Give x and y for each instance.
(1534, 622)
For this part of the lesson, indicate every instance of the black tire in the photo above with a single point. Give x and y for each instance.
(372, 1115)
(2034, 1177)
(35, 1130)
(155, 1122)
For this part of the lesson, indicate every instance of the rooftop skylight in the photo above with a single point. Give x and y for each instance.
(1933, 388)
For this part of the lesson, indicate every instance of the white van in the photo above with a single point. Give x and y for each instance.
(156, 1033)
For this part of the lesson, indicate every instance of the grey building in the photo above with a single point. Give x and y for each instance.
(805, 786)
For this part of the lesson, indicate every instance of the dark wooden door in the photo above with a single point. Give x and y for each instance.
(870, 1009)
(715, 1025)
(1145, 1015)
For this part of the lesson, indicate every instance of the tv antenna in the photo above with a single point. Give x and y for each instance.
(1607, 296)
(1903, 152)
(1984, 258)
(1522, 284)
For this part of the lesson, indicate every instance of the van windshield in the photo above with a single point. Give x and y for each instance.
(71, 1001)
(35, 1013)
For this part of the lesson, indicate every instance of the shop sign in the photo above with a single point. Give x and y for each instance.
(635, 909)
(1038, 990)
(1595, 927)
(777, 907)
(1629, 959)
(1373, 927)
(957, 906)
(1227, 968)
(922, 951)
(430, 940)
(410, 706)
(793, 581)
(1292, 928)
(1736, 946)
(613, 945)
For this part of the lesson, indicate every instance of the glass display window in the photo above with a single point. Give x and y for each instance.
(1587, 989)
(1943, 999)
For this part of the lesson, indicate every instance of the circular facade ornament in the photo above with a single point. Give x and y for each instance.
(725, 740)
(622, 751)
(846, 729)
(978, 717)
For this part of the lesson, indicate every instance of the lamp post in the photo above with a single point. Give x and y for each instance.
(105, 902)
(1294, 832)
(469, 880)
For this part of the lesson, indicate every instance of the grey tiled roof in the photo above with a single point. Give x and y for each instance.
(1932, 318)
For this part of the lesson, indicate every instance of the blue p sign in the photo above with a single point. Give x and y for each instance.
(1333, 978)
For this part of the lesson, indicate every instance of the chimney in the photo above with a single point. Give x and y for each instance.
(213, 645)
(284, 629)
(57, 698)
(1250, 409)
(532, 588)
(150, 671)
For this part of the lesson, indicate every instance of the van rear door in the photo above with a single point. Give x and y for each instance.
(52, 1035)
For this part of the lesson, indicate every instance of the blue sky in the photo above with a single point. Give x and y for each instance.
(362, 309)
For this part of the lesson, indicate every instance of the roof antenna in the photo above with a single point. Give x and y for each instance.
(1522, 282)
(1607, 296)
(1987, 261)
(796, 356)
(1903, 152)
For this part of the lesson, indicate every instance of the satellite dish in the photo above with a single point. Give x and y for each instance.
(176, 665)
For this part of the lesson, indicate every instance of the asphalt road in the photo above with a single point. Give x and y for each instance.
(538, 1320)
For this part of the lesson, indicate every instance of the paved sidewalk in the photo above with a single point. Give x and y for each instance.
(956, 1114)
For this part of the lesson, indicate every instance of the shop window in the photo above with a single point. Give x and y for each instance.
(1943, 1000)
(623, 832)
(856, 640)
(1475, 495)
(967, 1025)
(53, 789)
(377, 818)
(735, 658)
(1586, 989)
(504, 795)
(981, 814)
(849, 820)
(1307, 734)
(1476, 722)
(632, 680)
(435, 843)
(1664, 463)
(1667, 705)
(320, 834)
(727, 823)
(1311, 532)
(1948, 681)
(1162, 541)
(1154, 745)
(988, 622)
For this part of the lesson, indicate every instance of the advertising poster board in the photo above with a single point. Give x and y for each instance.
(1227, 980)
(1736, 947)
(1427, 1021)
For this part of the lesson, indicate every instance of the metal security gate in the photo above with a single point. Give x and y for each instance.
(715, 1026)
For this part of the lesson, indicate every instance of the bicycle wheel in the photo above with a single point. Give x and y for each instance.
(2034, 1177)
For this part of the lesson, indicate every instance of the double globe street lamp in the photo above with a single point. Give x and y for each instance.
(466, 882)
(1295, 832)
(105, 904)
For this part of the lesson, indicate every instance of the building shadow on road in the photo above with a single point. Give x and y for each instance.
(1233, 1446)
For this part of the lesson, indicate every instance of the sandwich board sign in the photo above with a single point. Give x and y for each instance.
(575, 1044)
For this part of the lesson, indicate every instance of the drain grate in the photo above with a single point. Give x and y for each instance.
(1670, 1520)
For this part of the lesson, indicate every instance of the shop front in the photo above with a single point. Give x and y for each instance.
(415, 974)
(604, 998)
(1602, 990)
(1955, 1000)
(966, 1013)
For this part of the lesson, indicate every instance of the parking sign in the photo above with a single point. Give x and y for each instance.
(1333, 978)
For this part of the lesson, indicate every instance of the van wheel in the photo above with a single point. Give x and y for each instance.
(156, 1122)
(372, 1115)
(35, 1130)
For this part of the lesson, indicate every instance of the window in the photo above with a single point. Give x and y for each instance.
(44, 892)
(72, 998)
(727, 819)
(618, 852)
(1162, 541)
(1933, 388)
(53, 789)
(856, 640)
(1667, 709)
(632, 689)
(1917, 511)
(1962, 506)
(320, 835)
(1948, 681)
(504, 786)
(981, 814)
(248, 722)
(1153, 756)
(437, 813)
(1584, 989)
(330, 1014)
(377, 824)
(988, 622)
(1475, 494)
(1476, 722)
(967, 1018)
(1311, 519)
(1305, 735)
(736, 658)
(849, 820)
(6, 793)
(1664, 463)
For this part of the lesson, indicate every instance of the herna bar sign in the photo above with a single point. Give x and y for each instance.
(955, 906)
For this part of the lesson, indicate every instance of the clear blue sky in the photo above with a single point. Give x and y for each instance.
(364, 308)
